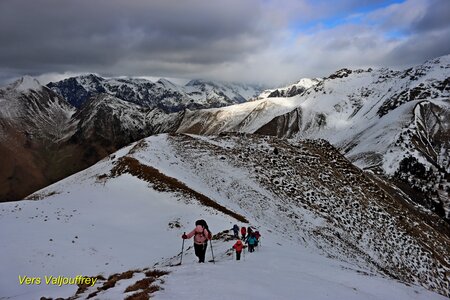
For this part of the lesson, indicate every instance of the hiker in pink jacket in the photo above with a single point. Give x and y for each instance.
(201, 236)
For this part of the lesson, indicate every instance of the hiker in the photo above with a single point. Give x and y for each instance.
(257, 236)
(249, 231)
(251, 241)
(238, 246)
(243, 232)
(236, 231)
(201, 236)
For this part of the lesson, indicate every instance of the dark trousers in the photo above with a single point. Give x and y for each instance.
(200, 251)
(251, 248)
(238, 255)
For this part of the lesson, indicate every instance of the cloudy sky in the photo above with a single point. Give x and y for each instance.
(259, 41)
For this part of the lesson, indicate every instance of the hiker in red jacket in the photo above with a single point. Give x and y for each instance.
(243, 232)
(238, 246)
(201, 235)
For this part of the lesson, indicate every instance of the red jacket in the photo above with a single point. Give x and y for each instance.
(243, 230)
(238, 246)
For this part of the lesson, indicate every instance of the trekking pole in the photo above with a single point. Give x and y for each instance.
(182, 250)
(212, 252)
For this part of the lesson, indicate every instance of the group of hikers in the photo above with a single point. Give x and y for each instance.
(249, 236)
(202, 235)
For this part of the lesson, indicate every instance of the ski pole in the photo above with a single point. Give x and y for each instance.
(212, 252)
(182, 250)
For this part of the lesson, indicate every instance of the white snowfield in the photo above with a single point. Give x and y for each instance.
(90, 224)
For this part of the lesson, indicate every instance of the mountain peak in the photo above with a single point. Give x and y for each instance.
(91, 76)
(26, 83)
(195, 82)
(167, 83)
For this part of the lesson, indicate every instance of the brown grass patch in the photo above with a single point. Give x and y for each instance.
(83, 287)
(146, 285)
(164, 183)
(156, 273)
(145, 294)
(141, 145)
(112, 280)
(38, 196)
(140, 285)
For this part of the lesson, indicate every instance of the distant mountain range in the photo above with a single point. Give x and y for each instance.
(393, 124)
(49, 132)
(162, 94)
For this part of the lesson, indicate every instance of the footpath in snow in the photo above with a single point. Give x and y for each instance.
(279, 270)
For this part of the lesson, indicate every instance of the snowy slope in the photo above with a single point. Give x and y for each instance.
(221, 94)
(320, 237)
(291, 90)
(162, 94)
(377, 118)
(26, 105)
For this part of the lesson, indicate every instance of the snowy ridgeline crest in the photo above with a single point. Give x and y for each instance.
(304, 195)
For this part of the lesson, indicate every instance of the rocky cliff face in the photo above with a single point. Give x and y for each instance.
(34, 123)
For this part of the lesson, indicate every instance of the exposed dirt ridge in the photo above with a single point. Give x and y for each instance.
(164, 183)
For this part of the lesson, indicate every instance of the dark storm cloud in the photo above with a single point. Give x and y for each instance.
(56, 35)
(435, 17)
(270, 41)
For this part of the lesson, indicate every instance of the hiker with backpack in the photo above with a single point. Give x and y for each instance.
(236, 231)
(249, 231)
(201, 236)
(251, 241)
(257, 236)
(243, 232)
(238, 246)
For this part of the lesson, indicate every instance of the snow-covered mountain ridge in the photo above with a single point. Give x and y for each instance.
(327, 226)
(34, 121)
(44, 139)
(162, 94)
(393, 123)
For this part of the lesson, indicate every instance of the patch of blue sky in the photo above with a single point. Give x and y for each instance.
(354, 16)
